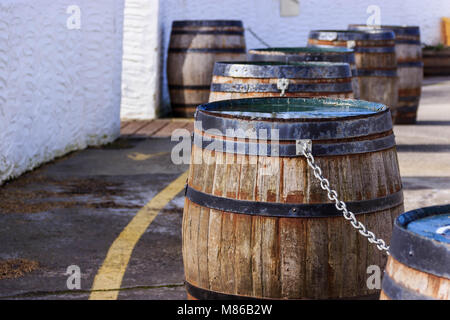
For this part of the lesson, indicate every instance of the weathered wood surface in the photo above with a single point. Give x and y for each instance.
(194, 48)
(417, 281)
(286, 258)
(376, 63)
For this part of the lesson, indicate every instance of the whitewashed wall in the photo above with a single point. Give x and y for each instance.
(263, 17)
(141, 60)
(59, 88)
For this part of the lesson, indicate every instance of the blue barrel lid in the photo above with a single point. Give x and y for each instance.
(433, 227)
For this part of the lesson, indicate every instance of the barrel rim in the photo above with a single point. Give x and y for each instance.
(319, 87)
(303, 50)
(398, 29)
(377, 108)
(346, 35)
(327, 128)
(278, 69)
(417, 251)
(207, 23)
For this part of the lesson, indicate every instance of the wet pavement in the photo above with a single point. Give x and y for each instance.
(70, 211)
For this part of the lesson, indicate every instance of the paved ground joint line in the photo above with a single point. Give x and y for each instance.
(110, 274)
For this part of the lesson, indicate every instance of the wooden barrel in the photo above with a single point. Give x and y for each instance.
(436, 61)
(375, 57)
(256, 222)
(299, 54)
(194, 47)
(418, 267)
(408, 50)
(235, 80)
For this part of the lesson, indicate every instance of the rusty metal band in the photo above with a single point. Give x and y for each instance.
(262, 87)
(390, 49)
(272, 69)
(313, 56)
(348, 35)
(407, 109)
(407, 41)
(213, 32)
(396, 291)
(419, 252)
(409, 98)
(376, 73)
(269, 149)
(398, 30)
(203, 294)
(415, 64)
(313, 129)
(291, 210)
(207, 23)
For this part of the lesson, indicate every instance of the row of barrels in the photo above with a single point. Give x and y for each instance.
(385, 64)
(257, 223)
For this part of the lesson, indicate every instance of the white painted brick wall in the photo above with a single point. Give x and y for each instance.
(59, 88)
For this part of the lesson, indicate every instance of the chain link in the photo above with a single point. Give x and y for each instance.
(340, 205)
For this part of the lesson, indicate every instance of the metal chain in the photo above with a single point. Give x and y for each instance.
(258, 37)
(340, 205)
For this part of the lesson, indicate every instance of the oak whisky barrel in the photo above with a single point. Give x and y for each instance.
(408, 50)
(418, 267)
(375, 57)
(256, 222)
(194, 47)
(235, 80)
(298, 54)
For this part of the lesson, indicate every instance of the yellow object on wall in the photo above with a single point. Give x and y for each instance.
(446, 31)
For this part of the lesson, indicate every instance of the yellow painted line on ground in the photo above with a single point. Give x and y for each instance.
(109, 277)
(137, 156)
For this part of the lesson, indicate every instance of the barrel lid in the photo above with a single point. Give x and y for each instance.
(292, 109)
(434, 227)
(421, 240)
(287, 70)
(403, 30)
(346, 35)
(207, 23)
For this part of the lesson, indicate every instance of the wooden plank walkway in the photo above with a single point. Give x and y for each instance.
(160, 128)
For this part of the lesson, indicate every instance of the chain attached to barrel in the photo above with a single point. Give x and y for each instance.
(333, 196)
